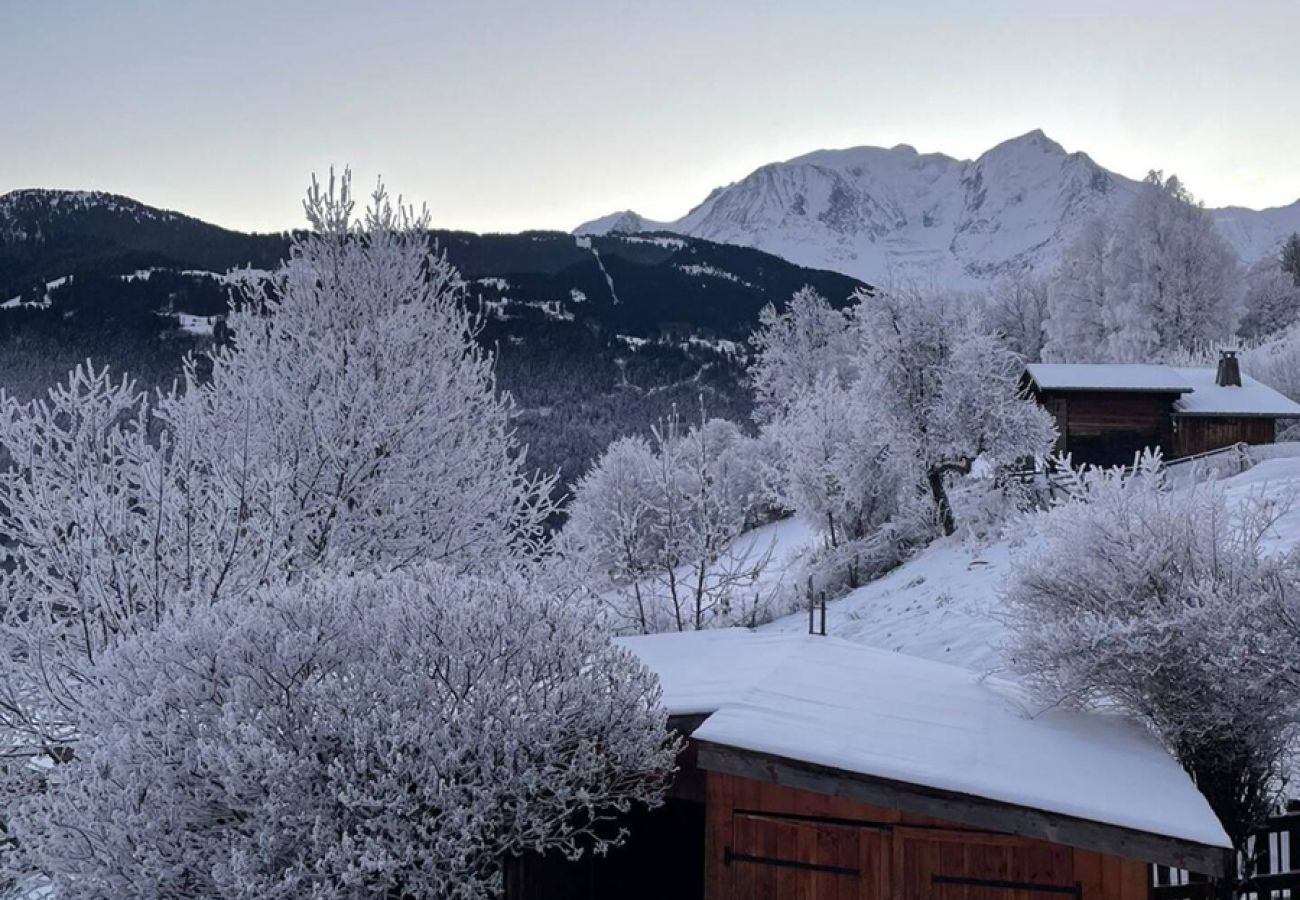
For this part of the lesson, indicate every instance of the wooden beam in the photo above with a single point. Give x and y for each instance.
(966, 809)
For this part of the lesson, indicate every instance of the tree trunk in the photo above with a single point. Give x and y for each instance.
(941, 504)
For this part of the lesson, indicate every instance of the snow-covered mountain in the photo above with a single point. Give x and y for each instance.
(877, 213)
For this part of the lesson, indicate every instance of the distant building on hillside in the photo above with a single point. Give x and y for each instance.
(1105, 413)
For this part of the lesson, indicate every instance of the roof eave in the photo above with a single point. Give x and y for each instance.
(967, 809)
(1176, 392)
(1198, 414)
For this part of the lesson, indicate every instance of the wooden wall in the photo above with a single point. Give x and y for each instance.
(1107, 428)
(766, 842)
(1200, 434)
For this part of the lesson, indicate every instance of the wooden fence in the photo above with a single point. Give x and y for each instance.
(1276, 869)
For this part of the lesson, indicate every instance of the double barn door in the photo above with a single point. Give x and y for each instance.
(779, 856)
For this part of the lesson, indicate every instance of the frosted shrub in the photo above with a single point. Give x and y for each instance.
(656, 523)
(356, 737)
(1164, 603)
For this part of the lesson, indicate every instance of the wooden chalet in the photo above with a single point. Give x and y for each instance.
(1106, 413)
(819, 768)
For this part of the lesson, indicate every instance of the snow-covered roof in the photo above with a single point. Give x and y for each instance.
(701, 671)
(1251, 398)
(873, 712)
(1107, 377)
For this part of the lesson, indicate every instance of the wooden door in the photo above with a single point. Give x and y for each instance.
(786, 857)
(934, 864)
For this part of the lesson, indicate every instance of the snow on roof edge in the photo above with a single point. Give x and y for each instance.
(877, 713)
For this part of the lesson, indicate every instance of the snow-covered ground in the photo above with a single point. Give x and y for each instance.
(942, 603)
(936, 605)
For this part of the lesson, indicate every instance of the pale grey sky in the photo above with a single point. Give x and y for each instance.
(511, 115)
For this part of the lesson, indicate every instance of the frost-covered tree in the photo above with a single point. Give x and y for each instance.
(1271, 302)
(835, 469)
(1164, 603)
(796, 348)
(1291, 258)
(948, 388)
(349, 737)
(1175, 280)
(1156, 278)
(351, 421)
(1016, 308)
(363, 390)
(110, 519)
(657, 522)
(1077, 295)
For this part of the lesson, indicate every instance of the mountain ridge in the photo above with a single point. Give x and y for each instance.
(879, 213)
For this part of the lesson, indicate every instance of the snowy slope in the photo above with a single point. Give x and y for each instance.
(877, 213)
(942, 603)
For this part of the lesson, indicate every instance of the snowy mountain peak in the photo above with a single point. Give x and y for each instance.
(886, 213)
(1034, 140)
(625, 222)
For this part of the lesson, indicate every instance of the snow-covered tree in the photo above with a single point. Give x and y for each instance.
(363, 390)
(1176, 281)
(949, 389)
(351, 421)
(1077, 295)
(109, 520)
(1016, 308)
(836, 471)
(1165, 603)
(362, 736)
(796, 348)
(1272, 300)
(1157, 278)
(658, 522)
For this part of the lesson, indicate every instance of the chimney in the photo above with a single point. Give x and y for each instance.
(1229, 374)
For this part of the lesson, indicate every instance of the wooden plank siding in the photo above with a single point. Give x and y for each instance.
(1109, 427)
(1200, 434)
(770, 842)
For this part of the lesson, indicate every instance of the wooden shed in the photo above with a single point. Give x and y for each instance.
(826, 769)
(1106, 413)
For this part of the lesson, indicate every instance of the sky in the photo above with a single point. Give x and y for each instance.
(503, 115)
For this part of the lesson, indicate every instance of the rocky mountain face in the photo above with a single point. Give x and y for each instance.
(880, 214)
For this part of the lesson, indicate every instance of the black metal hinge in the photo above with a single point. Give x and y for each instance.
(728, 857)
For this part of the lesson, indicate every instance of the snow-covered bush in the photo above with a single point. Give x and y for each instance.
(656, 524)
(349, 737)
(1163, 603)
